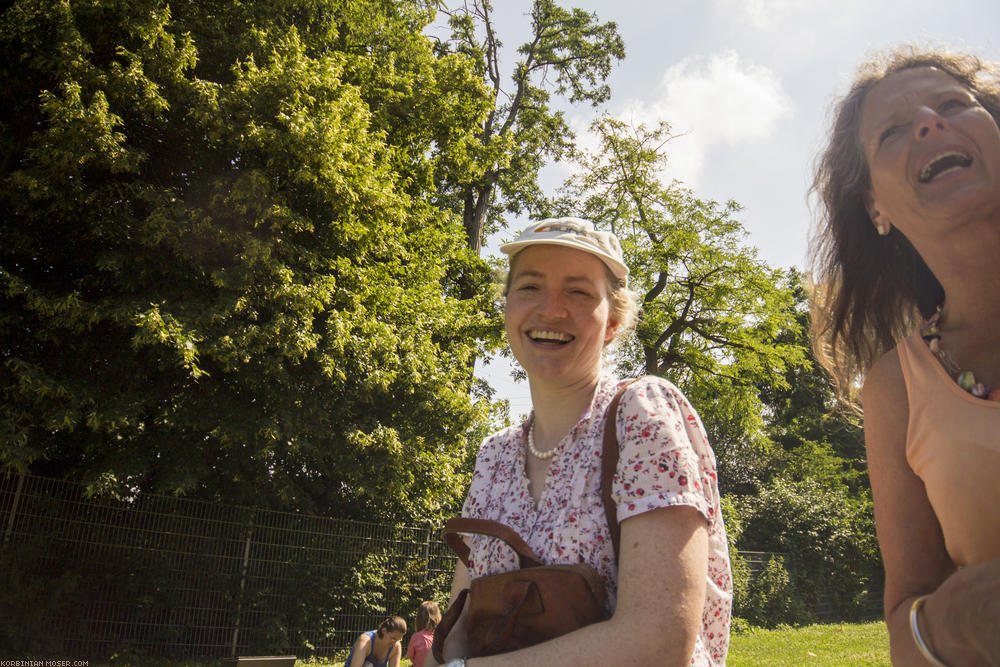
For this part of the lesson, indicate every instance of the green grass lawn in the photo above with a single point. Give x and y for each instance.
(835, 645)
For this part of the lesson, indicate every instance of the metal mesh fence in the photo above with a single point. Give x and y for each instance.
(172, 576)
(166, 576)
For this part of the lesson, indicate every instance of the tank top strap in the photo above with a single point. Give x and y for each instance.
(910, 363)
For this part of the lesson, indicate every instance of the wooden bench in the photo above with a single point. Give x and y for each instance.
(260, 661)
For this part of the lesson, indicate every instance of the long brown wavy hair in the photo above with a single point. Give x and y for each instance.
(869, 291)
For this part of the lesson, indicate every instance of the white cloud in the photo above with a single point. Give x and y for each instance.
(799, 34)
(772, 15)
(712, 102)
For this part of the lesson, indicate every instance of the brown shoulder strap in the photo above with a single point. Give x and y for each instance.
(453, 527)
(609, 465)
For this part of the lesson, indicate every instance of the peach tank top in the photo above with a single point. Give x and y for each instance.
(953, 445)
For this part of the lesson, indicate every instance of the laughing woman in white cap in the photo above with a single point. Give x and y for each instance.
(670, 593)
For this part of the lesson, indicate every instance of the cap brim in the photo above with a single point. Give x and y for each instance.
(618, 269)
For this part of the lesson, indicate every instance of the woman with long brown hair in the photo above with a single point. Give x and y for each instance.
(909, 245)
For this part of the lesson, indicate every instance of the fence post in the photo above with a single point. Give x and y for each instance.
(243, 583)
(13, 509)
(427, 551)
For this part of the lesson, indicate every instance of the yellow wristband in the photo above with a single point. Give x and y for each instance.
(918, 638)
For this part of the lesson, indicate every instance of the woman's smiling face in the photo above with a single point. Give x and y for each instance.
(932, 150)
(557, 315)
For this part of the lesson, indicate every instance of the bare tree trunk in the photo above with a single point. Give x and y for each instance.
(477, 202)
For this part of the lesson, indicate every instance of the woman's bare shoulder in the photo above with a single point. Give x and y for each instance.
(886, 408)
(884, 380)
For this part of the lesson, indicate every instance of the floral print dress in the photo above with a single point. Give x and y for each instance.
(665, 461)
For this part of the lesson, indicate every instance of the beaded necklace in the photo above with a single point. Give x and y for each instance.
(965, 379)
(531, 445)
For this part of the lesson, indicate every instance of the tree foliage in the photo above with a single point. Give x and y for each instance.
(807, 497)
(239, 261)
(569, 53)
(221, 269)
(711, 309)
(815, 436)
(828, 536)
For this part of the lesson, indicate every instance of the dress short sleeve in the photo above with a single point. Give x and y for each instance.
(665, 458)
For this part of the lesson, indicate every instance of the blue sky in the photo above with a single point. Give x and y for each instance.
(747, 86)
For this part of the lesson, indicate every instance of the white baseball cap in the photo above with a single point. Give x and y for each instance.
(573, 233)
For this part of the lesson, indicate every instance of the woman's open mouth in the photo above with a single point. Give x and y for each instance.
(547, 336)
(943, 164)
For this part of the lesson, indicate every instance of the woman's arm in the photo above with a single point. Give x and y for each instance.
(395, 653)
(361, 648)
(661, 584)
(661, 593)
(410, 648)
(912, 544)
(459, 581)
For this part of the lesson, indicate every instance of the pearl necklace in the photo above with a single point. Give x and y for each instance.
(965, 379)
(531, 445)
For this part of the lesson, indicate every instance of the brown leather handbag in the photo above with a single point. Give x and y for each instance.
(538, 602)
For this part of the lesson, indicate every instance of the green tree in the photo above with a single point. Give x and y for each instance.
(569, 53)
(814, 436)
(222, 272)
(711, 309)
(828, 537)
(809, 497)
